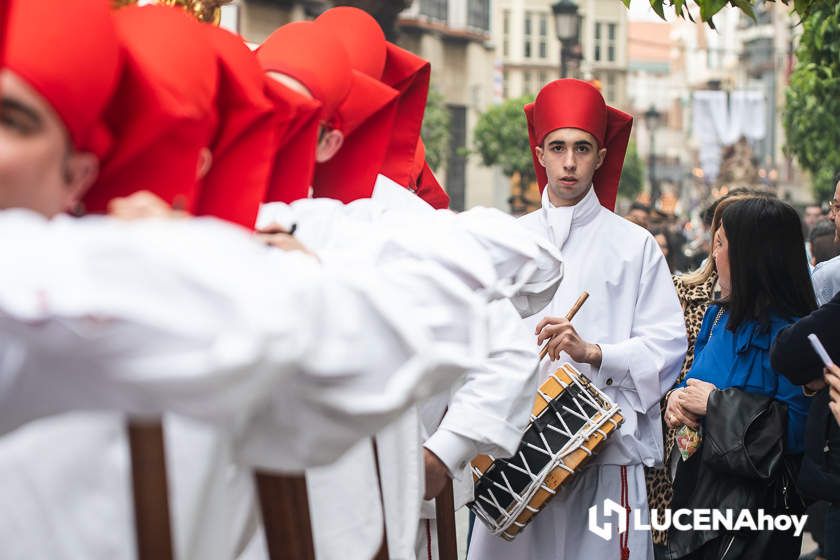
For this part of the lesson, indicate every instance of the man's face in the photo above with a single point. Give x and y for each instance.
(38, 169)
(812, 215)
(834, 212)
(570, 157)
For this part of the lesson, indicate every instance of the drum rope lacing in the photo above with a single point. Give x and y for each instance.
(604, 414)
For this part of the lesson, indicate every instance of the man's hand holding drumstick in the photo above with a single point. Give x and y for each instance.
(562, 337)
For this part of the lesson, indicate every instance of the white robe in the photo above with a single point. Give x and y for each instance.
(634, 316)
(487, 412)
(196, 318)
(346, 518)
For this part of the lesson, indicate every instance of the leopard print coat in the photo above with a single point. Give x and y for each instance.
(694, 301)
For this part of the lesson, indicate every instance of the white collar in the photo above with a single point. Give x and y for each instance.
(561, 218)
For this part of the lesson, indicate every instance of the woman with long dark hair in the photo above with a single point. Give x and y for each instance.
(741, 424)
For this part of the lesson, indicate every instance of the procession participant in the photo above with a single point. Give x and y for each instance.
(486, 413)
(55, 100)
(297, 135)
(630, 337)
(344, 520)
(358, 111)
(64, 300)
(163, 111)
(371, 54)
(245, 140)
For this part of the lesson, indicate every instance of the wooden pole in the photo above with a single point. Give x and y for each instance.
(382, 553)
(284, 503)
(151, 494)
(445, 520)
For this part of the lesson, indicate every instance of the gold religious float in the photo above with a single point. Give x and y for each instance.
(209, 11)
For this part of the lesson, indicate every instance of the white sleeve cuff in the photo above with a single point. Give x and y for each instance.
(615, 366)
(454, 450)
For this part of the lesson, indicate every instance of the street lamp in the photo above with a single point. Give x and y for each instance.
(653, 119)
(567, 24)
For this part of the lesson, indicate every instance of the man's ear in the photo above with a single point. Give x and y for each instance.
(205, 162)
(80, 172)
(602, 154)
(331, 141)
(540, 153)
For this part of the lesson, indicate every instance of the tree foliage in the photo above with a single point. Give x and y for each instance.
(501, 138)
(708, 8)
(812, 109)
(630, 184)
(435, 132)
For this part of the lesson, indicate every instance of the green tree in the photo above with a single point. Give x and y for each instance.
(501, 138)
(812, 109)
(708, 8)
(435, 132)
(630, 184)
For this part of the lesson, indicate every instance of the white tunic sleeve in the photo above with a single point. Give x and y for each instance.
(646, 364)
(195, 318)
(491, 407)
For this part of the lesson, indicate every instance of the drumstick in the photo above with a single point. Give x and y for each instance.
(569, 316)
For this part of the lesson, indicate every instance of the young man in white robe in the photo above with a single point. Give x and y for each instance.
(629, 337)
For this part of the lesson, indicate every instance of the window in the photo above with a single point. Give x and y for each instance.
(598, 42)
(505, 81)
(478, 15)
(542, 48)
(527, 84)
(435, 9)
(611, 33)
(506, 33)
(606, 41)
(526, 47)
(542, 79)
(609, 88)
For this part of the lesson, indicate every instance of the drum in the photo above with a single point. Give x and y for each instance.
(571, 420)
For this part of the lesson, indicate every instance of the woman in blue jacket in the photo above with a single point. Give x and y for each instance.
(763, 276)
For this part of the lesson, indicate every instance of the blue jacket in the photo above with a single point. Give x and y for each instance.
(741, 359)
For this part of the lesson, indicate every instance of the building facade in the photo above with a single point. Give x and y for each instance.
(455, 37)
(529, 52)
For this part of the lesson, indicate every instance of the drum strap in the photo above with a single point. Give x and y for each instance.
(624, 538)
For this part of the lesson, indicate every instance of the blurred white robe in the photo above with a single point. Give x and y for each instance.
(345, 515)
(285, 362)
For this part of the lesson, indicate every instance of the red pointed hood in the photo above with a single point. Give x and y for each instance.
(397, 68)
(75, 72)
(299, 119)
(245, 140)
(163, 113)
(571, 103)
